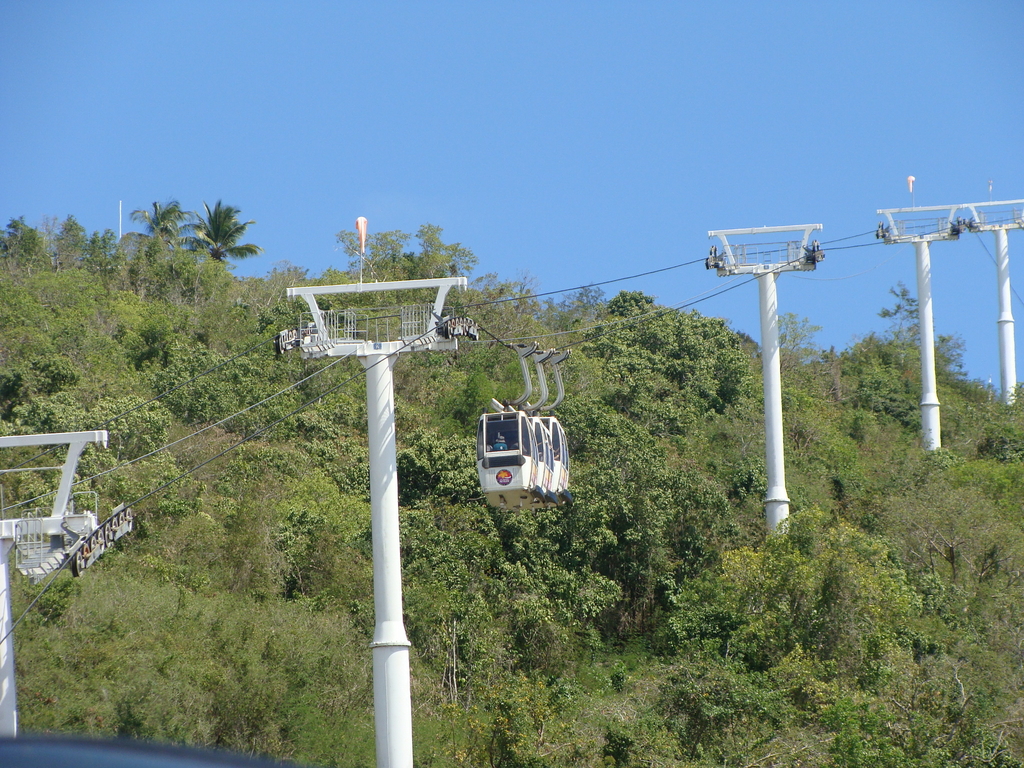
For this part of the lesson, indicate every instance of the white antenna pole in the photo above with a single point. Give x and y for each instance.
(776, 504)
(119, 219)
(910, 188)
(929, 395)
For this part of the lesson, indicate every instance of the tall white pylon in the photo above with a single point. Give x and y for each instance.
(1008, 214)
(61, 522)
(921, 232)
(766, 261)
(377, 337)
(8, 689)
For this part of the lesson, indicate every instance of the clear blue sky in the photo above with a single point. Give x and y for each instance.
(574, 142)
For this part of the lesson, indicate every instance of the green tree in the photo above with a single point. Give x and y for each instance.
(665, 368)
(165, 221)
(219, 232)
(903, 316)
(68, 244)
(23, 247)
(796, 338)
(578, 309)
(387, 258)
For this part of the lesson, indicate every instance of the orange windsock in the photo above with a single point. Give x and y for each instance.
(361, 229)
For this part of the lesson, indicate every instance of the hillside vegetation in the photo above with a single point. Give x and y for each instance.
(650, 623)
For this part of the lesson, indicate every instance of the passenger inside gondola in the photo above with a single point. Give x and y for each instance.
(502, 435)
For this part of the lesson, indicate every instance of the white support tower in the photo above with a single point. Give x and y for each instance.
(40, 544)
(766, 261)
(998, 217)
(377, 337)
(921, 232)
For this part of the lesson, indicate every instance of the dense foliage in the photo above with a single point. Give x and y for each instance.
(650, 623)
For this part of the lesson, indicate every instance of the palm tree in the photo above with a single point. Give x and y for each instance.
(218, 233)
(163, 221)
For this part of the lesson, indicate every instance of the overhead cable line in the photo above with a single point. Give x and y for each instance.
(505, 343)
(188, 437)
(848, 237)
(175, 388)
(622, 321)
(856, 274)
(247, 438)
(625, 320)
(645, 274)
(859, 245)
(44, 590)
(581, 287)
(978, 235)
(654, 313)
(527, 296)
(675, 307)
(657, 313)
(218, 423)
(836, 248)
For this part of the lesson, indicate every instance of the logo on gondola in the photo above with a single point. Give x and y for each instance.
(504, 477)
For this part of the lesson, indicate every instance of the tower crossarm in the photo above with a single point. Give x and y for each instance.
(321, 343)
(995, 214)
(76, 442)
(926, 229)
(759, 258)
(50, 526)
(443, 285)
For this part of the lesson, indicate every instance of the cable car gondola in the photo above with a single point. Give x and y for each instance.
(560, 457)
(522, 456)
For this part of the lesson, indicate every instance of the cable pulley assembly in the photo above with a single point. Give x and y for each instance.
(456, 327)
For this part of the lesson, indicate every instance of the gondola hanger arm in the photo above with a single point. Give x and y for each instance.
(540, 358)
(524, 351)
(555, 360)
